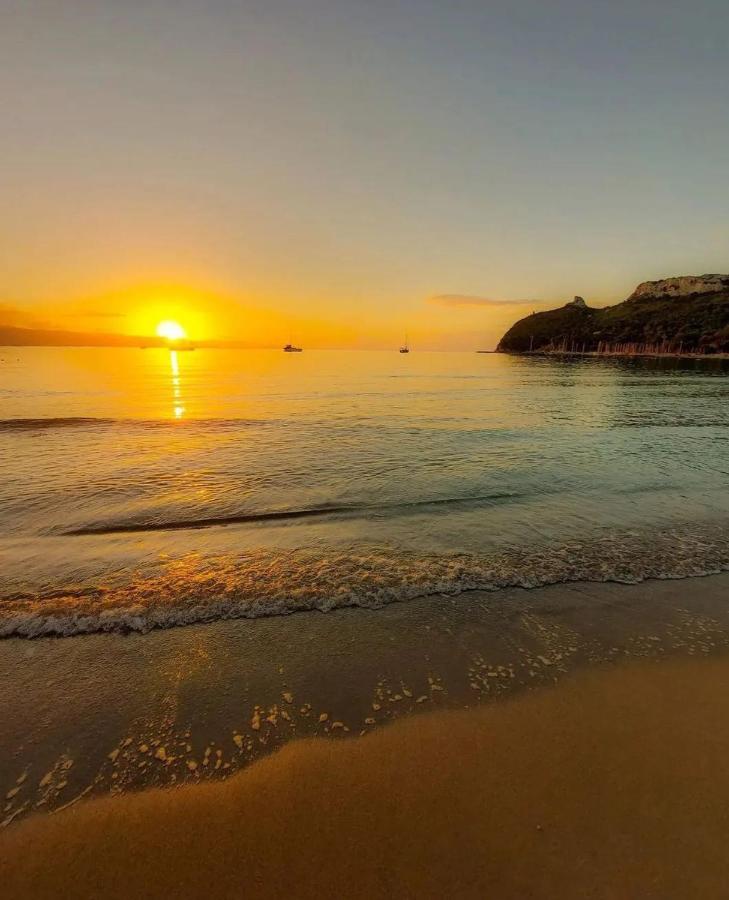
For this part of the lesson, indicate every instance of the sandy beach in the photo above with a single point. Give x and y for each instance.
(567, 741)
(98, 714)
(612, 784)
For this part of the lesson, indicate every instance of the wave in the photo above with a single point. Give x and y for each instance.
(194, 589)
(61, 422)
(283, 514)
(212, 521)
(50, 422)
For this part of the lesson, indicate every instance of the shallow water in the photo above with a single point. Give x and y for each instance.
(150, 488)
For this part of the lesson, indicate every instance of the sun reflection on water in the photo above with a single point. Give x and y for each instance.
(178, 409)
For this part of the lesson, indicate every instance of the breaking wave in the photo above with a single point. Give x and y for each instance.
(194, 588)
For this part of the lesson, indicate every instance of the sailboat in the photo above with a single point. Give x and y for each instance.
(405, 348)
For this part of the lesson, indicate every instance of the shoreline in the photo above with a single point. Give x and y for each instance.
(612, 783)
(110, 713)
(626, 354)
(271, 582)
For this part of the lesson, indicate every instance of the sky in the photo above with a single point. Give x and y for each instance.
(344, 172)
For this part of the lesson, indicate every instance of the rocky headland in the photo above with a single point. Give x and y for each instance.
(685, 314)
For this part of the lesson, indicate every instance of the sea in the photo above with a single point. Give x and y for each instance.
(156, 488)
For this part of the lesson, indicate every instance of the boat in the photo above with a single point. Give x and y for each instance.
(289, 348)
(405, 348)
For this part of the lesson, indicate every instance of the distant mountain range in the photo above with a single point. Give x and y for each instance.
(684, 314)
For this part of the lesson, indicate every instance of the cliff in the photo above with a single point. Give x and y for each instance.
(690, 312)
(683, 286)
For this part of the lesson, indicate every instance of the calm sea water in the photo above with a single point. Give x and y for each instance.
(152, 488)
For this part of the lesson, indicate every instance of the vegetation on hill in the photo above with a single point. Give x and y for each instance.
(688, 322)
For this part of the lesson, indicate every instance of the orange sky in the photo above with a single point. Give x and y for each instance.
(450, 322)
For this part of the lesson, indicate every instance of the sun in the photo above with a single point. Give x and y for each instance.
(171, 331)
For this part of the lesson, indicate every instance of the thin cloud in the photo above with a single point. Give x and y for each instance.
(471, 300)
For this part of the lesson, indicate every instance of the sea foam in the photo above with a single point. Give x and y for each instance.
(194, 588)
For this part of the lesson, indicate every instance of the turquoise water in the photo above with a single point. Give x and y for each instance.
(149, 488)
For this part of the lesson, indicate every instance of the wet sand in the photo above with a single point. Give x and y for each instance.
(612, 784)
(94, 715)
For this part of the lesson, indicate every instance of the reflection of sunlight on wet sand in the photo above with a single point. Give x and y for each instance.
(177, 407)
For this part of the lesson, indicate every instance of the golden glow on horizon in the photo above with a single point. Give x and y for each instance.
(176, 312)
(170, 330)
